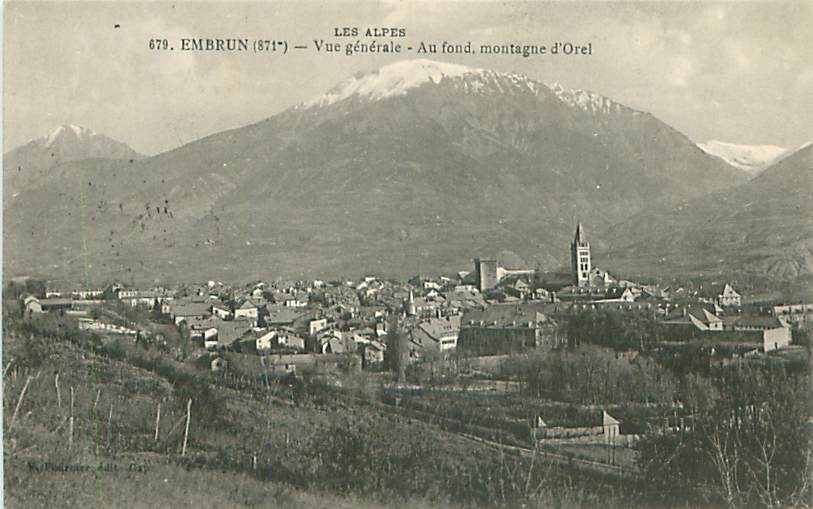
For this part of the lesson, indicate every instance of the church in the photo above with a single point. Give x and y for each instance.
(583, 272)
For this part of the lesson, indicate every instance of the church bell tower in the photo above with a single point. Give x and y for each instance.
(580, 257)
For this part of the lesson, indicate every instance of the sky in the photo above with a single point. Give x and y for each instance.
(736, 72)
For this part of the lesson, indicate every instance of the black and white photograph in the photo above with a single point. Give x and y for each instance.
(403, 254)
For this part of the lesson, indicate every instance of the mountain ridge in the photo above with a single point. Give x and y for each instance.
(750, 158)
(367, 183)
(29, 164)
(764, 226)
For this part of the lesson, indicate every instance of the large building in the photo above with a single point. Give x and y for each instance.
(507, 328)
(580, 257)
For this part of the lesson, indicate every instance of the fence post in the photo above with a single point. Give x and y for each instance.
(157, 420)
(19, 403)
(109, 424)
(58, 394)
(70, 437)
(186, 433)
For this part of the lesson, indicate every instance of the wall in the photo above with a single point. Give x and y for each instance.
(775, 338)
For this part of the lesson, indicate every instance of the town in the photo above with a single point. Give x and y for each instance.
(578, 368)
(489, 311)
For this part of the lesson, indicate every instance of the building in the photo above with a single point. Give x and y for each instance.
(292, 300)
(411, 310)
(485, 273)
(35, 305)
(745, 333)
(610, 426)
(32, 305)
(204, 330)
(227, 334)
(598, 294)
(770, 330)
(594, 429)
(279, 316)
(794, 313)
(146, 298)
(373, 352)
(289, 340)
(184, 311)
(249, 310)
(80, 294)
(581, 264)
(729, 297)
(436, 335)
(315, 326)
(517, 286)
(221, 310)
(506, 328)
(689, 322)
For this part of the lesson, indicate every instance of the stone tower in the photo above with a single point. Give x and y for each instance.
(486, 271)
(580, 257)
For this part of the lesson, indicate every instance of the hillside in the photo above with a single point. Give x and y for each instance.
(417, 166)
(82, 414)
(764, 227)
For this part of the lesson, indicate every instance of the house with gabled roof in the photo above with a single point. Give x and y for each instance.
(203, 329)
(373, 352)
(729, 297)
(221, 310)
(696, 318)
(248, 310)
(438, 335)
(185, 310)
(333, 345)
(228, 333)
(279, 316)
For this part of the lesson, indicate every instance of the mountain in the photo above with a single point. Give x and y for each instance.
(418, 166)
(27, 165)
(762, 227)
(752, 159)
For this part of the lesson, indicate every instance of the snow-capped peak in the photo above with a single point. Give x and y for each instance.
(391, 80)
(750, 158)
(78, 131)
(584, 99)
(400, 77)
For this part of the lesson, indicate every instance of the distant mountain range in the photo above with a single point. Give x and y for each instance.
(752, 159)
(26, 166)
(418, 166)
(764, 227)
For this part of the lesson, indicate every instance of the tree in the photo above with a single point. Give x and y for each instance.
(157, 312)
(396, 354)
(750, 447)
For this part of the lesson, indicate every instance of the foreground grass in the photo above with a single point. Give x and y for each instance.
(326, 449)
(171, 486)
